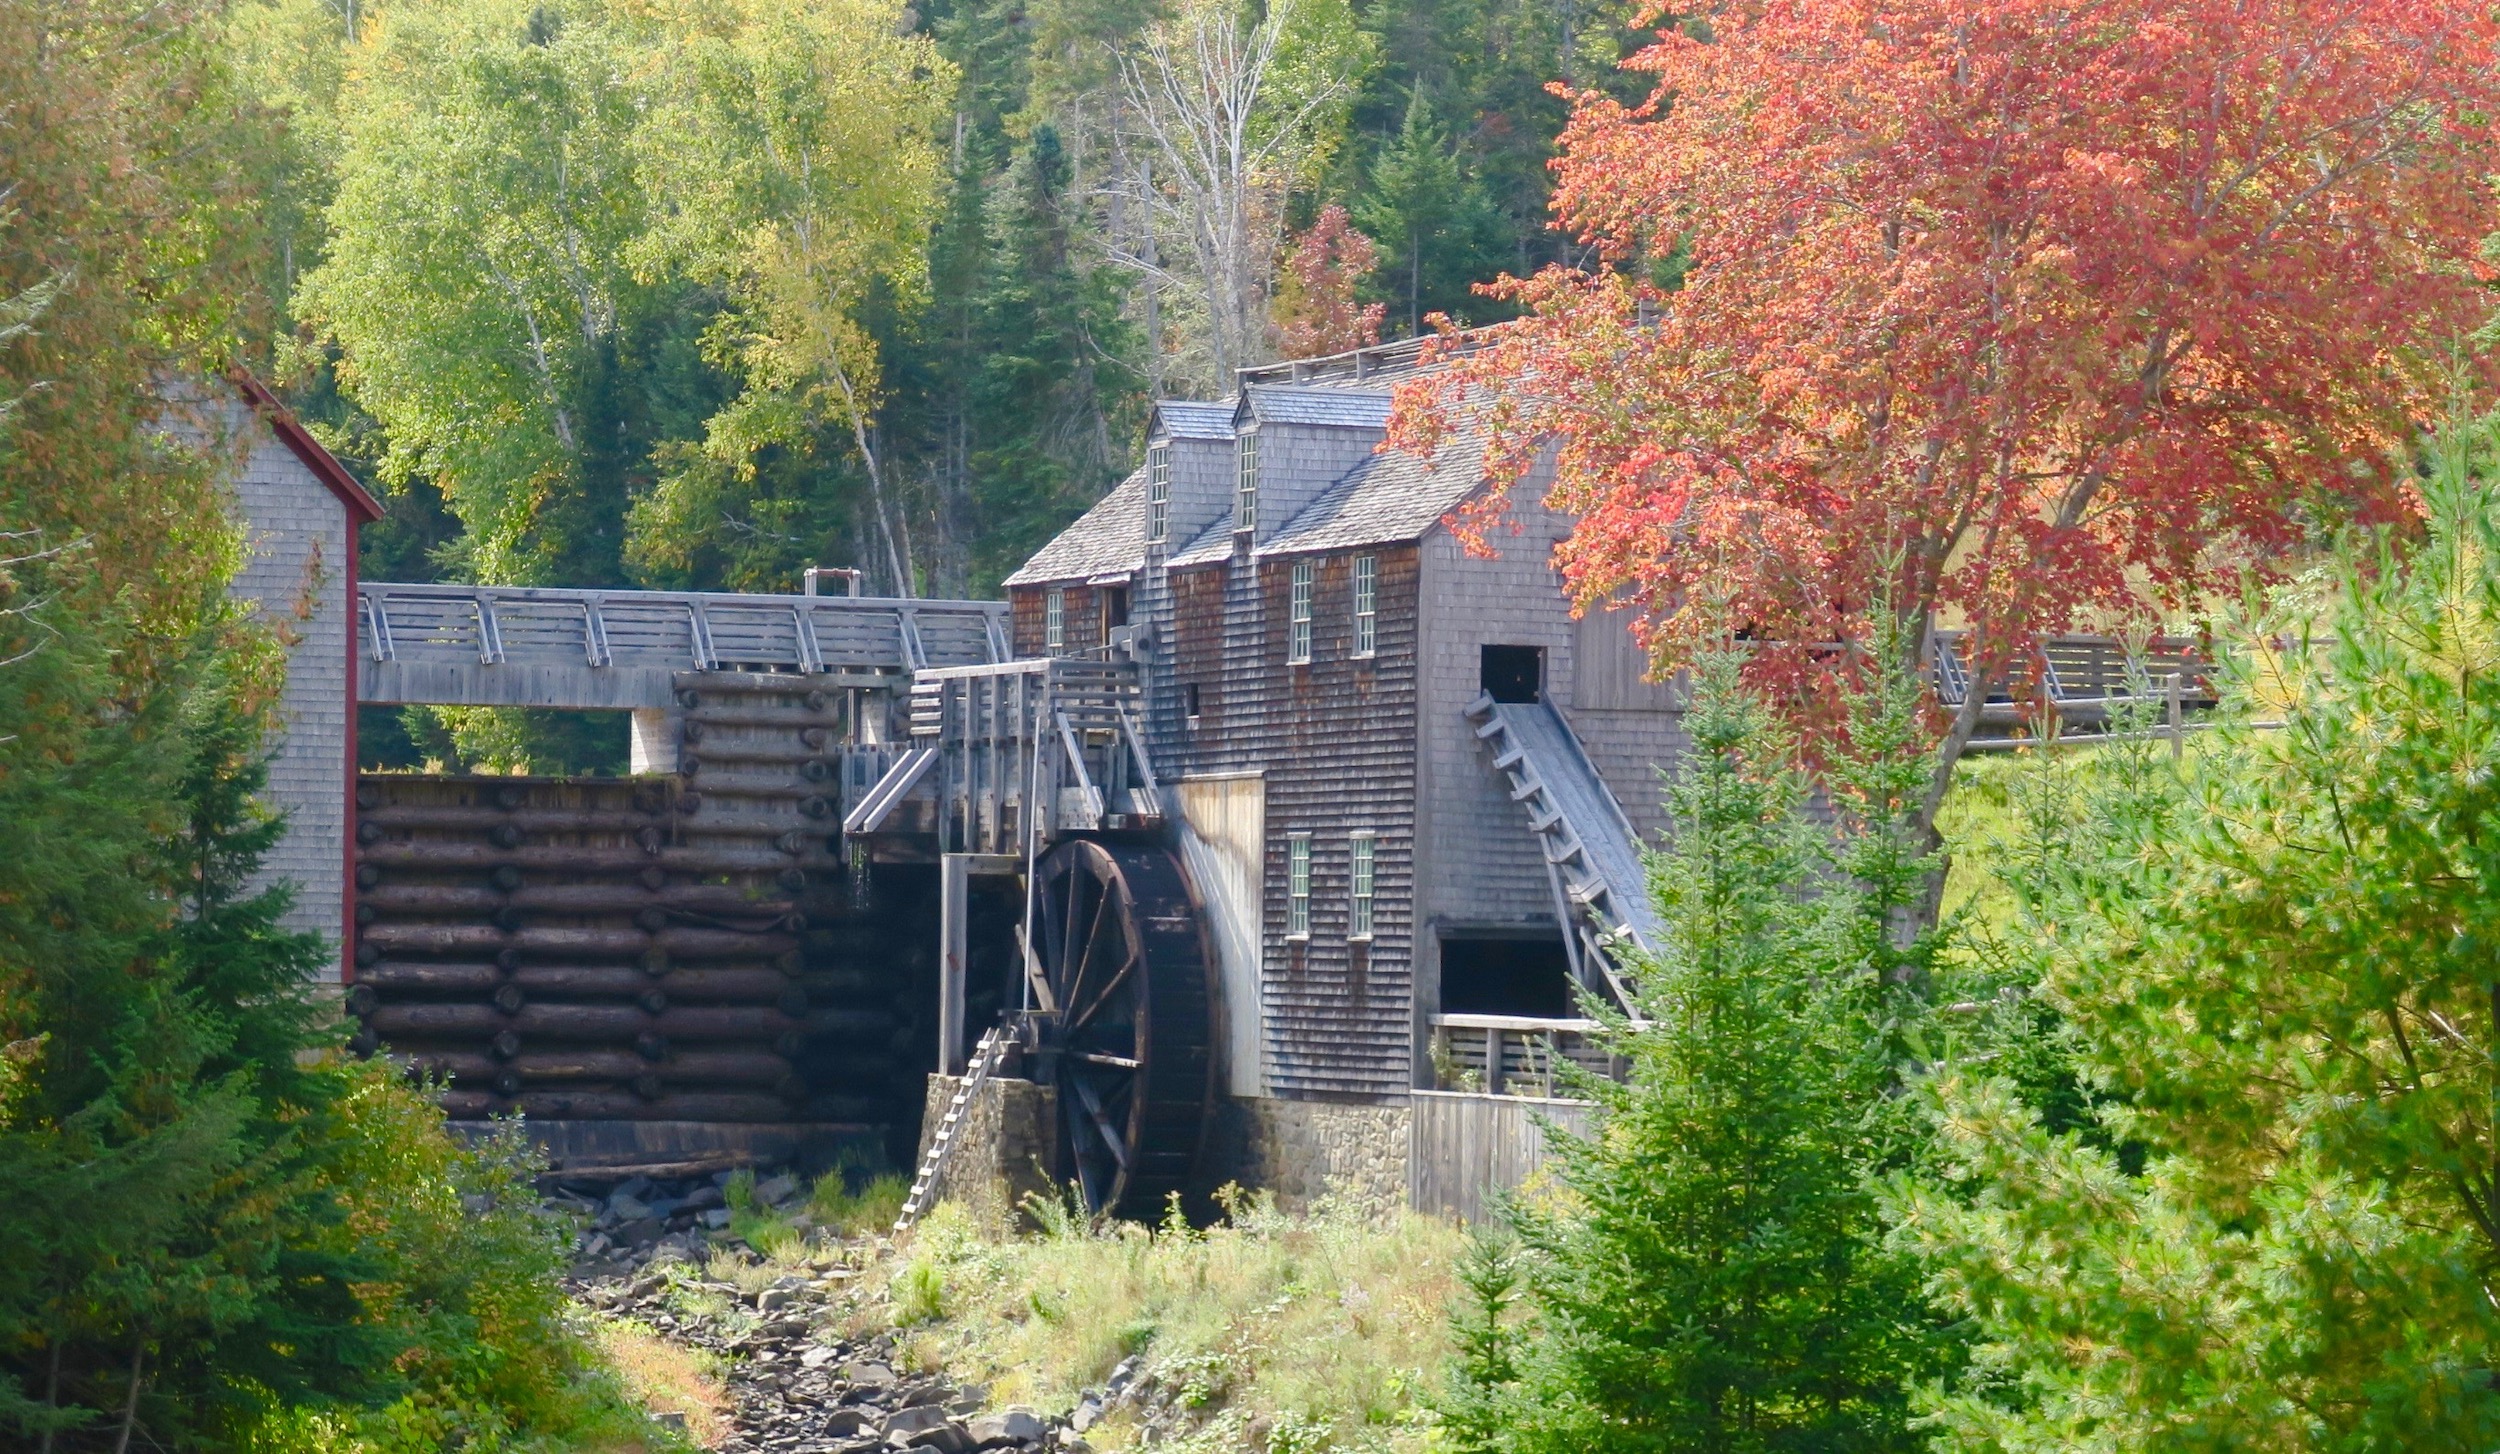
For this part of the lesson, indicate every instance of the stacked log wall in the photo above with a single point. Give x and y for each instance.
(693, 948)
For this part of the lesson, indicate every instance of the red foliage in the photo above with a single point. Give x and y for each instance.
(1316, 312)
(1992, 305)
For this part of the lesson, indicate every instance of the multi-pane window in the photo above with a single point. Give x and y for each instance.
(1246, 489)
(1359, 913)
(1298, 886)
(1054, 618)
(1299, 648)
(1366, 604)
(1158, 493)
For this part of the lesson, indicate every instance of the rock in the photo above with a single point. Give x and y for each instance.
(1087, 1410)
(703, 1198)
(818, 1357)
(847, 1423)
(903, 1424)
(715, 1218)
(672, 1420)
(640, 1232)
(623, 1208)
(774, 1297)
(867, 1375)
(778, 1190)
(947, 1438)
(1007, 1427)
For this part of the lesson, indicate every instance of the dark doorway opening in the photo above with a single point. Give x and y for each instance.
(1114, 609)
(1514, 673)
(1506, 974)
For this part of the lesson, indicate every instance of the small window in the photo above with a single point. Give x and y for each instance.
(1513, 673)
(1054, 618)
(1298, 886)
(1158, 494)
(1366, 604)
(1189, 694)
(1246, 489)
(1359, 913)
(1299, 649)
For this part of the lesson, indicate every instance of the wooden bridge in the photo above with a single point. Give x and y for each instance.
(513, 646)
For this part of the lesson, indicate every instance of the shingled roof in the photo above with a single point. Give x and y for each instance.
(1394, 496)
(1109, 539)
(1309, 404)
(1194, 418)
(1389, 497)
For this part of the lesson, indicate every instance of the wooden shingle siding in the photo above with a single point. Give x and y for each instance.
(1082, 619)
(1486, 867)
(1340, 748)
(296, 532)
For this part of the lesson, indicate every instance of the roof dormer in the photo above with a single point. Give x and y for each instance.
(1189, 471)
(1292, 443)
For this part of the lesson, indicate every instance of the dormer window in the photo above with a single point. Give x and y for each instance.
(1158, 493)
(1246, 490)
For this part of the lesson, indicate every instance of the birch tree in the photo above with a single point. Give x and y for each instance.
(1229, 112)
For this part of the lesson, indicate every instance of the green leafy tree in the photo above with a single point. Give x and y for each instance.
(2269, 1224)
(1712, 1275)
(478, 274)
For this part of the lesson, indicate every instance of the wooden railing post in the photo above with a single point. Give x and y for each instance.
(2178, 733)
(1492, 1062)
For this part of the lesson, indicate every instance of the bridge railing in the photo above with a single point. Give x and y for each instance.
(542, 646)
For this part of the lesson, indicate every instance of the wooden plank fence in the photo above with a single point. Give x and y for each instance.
(1464, 1150)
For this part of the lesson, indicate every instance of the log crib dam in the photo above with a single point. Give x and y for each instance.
(688, 964)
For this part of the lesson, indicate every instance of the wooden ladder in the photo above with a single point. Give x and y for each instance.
(1577, 882)
(986, 1058)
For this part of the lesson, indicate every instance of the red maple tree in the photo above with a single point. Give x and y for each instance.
(1317, 311)
(1989, 311)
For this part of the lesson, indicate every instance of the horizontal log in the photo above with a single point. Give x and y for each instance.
(466, 1105)
(723, 1022)
(429, 977)
(436, 854)
(575, 898)
(456, 818)
(795, 718)
(422, 938)
(730, 1068)
(851, 1023)
(626, 1106)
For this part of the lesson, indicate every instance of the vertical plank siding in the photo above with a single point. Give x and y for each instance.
(1465, 1150)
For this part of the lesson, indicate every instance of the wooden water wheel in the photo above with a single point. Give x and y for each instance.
(1128, 1036)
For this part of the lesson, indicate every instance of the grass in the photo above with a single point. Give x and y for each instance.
(1273, 1333)
(666, 1378)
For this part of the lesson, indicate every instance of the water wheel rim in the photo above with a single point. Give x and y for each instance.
(1128, 1037)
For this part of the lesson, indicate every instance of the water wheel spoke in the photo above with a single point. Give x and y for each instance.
(1111, 1136)
(1082, 962)
(1078, 1020)
(1103, 1057)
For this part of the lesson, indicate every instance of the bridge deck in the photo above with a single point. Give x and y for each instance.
(513, 646)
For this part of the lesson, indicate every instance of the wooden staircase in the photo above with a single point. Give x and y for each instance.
(1592, 856)
(986, 1058)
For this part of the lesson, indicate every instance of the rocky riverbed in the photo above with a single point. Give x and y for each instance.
(800, 1372)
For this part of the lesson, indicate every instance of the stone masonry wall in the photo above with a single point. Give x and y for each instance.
(1305, 1150)
(1008, 1141)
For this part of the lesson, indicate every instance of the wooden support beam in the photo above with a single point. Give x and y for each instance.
(954, 953)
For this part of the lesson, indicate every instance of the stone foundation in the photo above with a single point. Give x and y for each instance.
(1004, 1149)
(1305, 1150)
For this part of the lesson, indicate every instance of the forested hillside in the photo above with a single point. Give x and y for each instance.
(700, 295)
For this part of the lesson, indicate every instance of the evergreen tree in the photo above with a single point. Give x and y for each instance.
(2232, 1186)
(1712, 1275)
(1436, 229)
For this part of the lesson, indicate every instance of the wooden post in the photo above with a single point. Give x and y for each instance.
(1493, 1061)
(2177, 727)
(954, 948)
